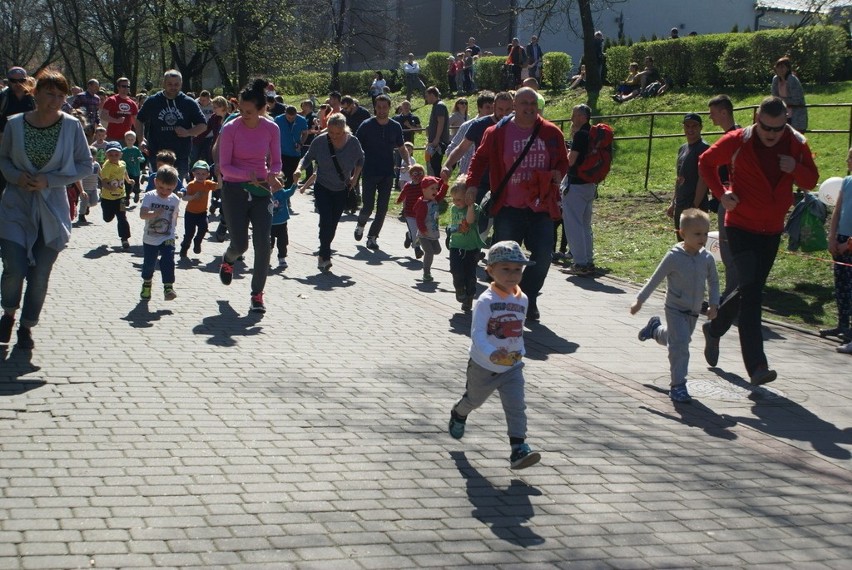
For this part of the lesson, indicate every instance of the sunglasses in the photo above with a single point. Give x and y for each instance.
(15, 80)
(463, 103)
(124, 86)
(769, 129)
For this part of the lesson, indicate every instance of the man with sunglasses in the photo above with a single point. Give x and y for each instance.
(13, 100)
(764, 161)
(119, 111)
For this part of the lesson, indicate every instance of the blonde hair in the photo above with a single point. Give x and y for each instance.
(459, 186)
(338, 120)
(692, 216)
(219, 101)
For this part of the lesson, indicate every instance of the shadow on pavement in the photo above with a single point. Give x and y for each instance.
(503, 511)
(779, 416)
(541, 342)
(141, 318)
(222, 328)
(326, 281)
(14, 364)
(460, 323)
(695, 414)
(591, 284)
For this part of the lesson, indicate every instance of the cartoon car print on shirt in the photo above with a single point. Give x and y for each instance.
(506, 326)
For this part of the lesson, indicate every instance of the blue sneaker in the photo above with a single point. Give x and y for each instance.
(523, 456)
(456, 427)
(647, 331)
(679, 394)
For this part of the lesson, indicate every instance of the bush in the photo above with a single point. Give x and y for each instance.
(434, 70)
(304, 82)
(488, 72)
(617, 62)
(706, 55)
(556, 69)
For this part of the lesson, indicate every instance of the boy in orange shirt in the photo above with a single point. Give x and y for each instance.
(195, 217)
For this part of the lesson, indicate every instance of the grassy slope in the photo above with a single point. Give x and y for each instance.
(631, 230)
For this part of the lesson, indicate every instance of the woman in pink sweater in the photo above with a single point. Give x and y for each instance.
(250, 163)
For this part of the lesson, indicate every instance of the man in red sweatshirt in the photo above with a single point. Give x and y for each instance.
(764, 161)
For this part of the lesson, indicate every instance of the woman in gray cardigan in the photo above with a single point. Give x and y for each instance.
(42, 151)
(787, 86)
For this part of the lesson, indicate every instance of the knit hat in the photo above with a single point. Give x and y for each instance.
(508, 251)
(201, 165)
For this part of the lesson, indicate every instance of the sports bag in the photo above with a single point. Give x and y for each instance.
(598, 159)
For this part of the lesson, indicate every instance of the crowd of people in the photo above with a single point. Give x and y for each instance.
(62, 154)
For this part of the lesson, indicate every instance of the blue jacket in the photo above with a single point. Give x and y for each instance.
(280, 211)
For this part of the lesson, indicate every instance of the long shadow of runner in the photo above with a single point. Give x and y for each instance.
(223, 327)
(541, 342)
(779, 416)
(141, 318)
(12, 367)
(695, 414)
(504, 512)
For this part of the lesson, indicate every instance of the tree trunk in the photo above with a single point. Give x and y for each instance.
(594, 81)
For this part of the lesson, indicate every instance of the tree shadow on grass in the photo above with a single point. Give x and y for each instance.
(806, 301)
(503, 511)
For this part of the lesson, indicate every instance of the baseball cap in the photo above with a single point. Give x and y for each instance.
(112, 146)
(508, 251)
(201, 165)
(692, 117)
(19, 72)
(429, 181)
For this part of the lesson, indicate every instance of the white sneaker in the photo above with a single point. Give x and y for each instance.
(845, 348)
(282, 263)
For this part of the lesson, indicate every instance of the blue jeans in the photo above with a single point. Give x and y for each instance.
(330, 205)
(16, 269)
(533, 230)
(166, 252)
(375, 190)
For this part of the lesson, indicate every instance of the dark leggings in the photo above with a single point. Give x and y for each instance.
(241, 208)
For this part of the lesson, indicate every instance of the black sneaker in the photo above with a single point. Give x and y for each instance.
(25, 339)
(125, 245)
(196, 248)
(759, 378)
(226, 272)
(7, 321)
(359, 232)
(407, 243)
(467, 305)
(257, 305)
(372, 243)
(711, 345)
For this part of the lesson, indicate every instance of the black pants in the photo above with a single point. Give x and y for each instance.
(330, 205)
(194, 226)
(279, 234)
(754, 255)
(115, 209)
(241, 209)
(463, 264)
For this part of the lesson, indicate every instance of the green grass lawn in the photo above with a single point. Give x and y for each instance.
(631, 230)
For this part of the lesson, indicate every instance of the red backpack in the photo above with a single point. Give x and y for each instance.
(598, 160)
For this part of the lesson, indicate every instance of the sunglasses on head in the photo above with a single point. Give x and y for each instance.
(769, 129)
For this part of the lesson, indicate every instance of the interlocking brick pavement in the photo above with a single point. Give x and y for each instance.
(194, 434)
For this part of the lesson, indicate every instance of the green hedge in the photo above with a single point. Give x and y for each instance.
(556, 69)
(315, 82)
(487, 72)
(434, 67)
(818, 54)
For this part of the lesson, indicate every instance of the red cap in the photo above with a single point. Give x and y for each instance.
(429, 181)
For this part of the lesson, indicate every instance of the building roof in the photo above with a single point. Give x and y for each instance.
(821, 6)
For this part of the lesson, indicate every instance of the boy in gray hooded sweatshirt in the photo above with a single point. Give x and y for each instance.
(687, 267)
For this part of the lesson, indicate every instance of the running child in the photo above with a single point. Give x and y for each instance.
(840, 247)
(409, 196)
(164, 158)
(100, 143)
(497, 350)
(195, 215)
(426, 212)
(687, 268)
(113, 178)
(465, 243)
(159, 209)
(280, 215)
(133, 158)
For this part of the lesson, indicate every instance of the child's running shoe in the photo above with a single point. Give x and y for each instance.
(647, 332)
(145, 295)
(457, 425)
(427, 278)
(169, 292)
(125, 245)
(257, 305)
(679, 394)
(407, 243)
(523, 456)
